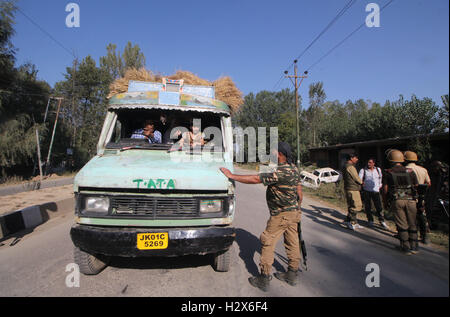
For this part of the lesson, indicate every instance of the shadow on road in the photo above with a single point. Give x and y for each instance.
(161, 263)
(248, 246)
(334, 220)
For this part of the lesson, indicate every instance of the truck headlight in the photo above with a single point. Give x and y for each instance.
(231, 203)
(96, 204)
(213, 205)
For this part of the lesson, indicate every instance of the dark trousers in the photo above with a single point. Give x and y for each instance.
(368, 198)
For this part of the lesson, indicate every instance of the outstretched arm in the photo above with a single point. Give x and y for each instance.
(246, 179)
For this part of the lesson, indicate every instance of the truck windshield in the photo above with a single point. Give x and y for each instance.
(166, 130)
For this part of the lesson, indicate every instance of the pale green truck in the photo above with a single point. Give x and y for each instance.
(136, 198)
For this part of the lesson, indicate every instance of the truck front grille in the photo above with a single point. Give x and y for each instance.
(156, 206)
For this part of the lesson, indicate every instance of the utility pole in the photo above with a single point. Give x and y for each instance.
(297, 84)
(53, 134)
(39, 156)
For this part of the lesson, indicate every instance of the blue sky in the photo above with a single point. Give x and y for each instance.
(253, 41)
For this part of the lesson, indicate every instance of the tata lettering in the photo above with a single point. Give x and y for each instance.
(158, 183)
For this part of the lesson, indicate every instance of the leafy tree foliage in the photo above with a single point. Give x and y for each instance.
(116, 64)
(85, 89)
(24, 99)
(332, 122)
(22, 103)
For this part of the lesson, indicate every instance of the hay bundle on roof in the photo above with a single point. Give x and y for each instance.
(120, 85)
(225, 88)
(190, 78)
(227, 91)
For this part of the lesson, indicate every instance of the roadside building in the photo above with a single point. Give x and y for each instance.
(334, 155)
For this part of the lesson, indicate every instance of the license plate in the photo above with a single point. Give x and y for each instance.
(152, 241)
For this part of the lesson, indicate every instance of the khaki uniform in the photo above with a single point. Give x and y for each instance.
(421, 173)
(422, 178)
(401, 194)
(285, 214)
(352, 187)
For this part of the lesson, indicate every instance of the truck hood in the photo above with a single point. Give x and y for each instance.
(152, 169)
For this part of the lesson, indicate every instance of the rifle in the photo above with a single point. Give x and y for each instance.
(302, 245)
(442, 202)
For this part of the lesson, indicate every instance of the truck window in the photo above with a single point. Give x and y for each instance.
(178, 125)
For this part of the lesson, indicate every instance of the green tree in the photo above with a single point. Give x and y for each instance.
(443, 112)
(270, 109)
(84, 91)
(116, 64)
(7, 51)
(23, 99)
(314, 114)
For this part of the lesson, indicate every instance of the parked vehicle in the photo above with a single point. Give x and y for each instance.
(137, 198)
(309, 180)
(327, 175)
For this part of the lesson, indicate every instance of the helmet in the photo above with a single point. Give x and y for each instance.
(410, 156)
(395, 156)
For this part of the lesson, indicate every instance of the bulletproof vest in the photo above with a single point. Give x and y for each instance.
(403, 188)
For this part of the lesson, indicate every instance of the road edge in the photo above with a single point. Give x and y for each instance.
(33, 216)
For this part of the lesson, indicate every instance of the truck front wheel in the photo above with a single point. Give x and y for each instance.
(88, 263)
(222, 260)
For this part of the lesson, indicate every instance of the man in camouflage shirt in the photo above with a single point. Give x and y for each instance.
(284, 197)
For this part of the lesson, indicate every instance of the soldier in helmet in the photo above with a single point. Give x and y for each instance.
(399, 195)
(424, 183)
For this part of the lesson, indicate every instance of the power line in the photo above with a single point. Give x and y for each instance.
(345, 39)
(46, 33)
(339, 14)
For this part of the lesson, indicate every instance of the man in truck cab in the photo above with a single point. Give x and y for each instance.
(148, 132)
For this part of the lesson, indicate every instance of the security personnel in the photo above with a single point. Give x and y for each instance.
(352, 188)
(424, 183)
(399, 195)
(284, 197)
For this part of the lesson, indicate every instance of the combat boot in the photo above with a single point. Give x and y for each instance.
(261, 281)
(289, 277)
(425, 239)
(414, 244)
(405, 248)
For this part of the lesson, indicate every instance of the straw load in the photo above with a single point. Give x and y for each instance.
(225, 88)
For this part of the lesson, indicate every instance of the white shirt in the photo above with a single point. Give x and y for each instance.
(372, 179)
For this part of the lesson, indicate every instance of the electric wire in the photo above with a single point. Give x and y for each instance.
(345, 39)
(339, 14)
(46, 33)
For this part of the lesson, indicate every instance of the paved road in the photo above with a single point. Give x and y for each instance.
(33, 263)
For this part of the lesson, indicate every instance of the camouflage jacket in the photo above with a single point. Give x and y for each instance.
(281, 193)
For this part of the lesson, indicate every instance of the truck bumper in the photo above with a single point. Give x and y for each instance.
(123, 241)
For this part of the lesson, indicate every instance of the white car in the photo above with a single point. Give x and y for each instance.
(327, 175)
(309, 180)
